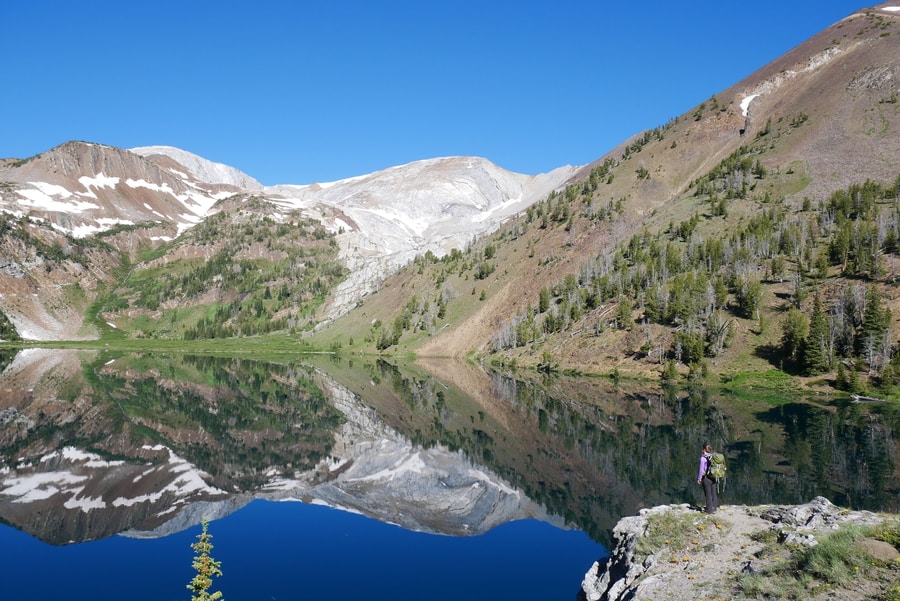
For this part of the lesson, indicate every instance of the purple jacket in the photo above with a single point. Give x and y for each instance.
(704, 465)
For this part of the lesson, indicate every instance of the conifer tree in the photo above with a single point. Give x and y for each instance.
(873, 328)
(794, 332)
(205, 566)
(816, 355)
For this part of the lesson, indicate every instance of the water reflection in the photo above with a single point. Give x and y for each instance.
(94, 444)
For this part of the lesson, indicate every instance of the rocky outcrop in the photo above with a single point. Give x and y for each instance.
(718, 548)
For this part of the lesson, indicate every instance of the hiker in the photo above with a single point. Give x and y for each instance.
(705, 480)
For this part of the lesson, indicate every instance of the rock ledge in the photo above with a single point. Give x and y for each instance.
(718, 549)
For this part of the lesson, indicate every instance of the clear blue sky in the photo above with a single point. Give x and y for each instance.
(297, 92)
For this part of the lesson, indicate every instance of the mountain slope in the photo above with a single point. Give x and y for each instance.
(126, 205)
(588, 268)
(769, 152)
(387, 218)
(202, 170)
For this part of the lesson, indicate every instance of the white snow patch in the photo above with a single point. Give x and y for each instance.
(154, 211)
(483, 216)
(188, 482)
(340, 223)
(84, 230)
(85, 504)
(745, 103)
(41, 200)
(144, 474)
(281, 484)
(74, 454)
(891, 8)
(51, 189)
(141, 183)
(81, 231)
(98, 181)
(38, 487)
(413, 464)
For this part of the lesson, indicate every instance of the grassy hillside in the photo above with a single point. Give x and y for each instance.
(238, 273)
(718, 290)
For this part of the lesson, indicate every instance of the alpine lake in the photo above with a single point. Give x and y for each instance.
(334, 478)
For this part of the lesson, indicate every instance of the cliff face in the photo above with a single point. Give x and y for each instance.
(680, 554)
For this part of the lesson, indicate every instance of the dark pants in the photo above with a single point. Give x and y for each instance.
(712, 496)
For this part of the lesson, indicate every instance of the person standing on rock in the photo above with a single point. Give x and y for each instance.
(707, 481)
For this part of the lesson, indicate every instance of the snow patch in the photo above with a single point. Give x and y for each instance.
(51, 189)
(85, 504)
(189, 481)
(43, 201)
(98, 181)
(38, 487)
(140, 183)
(84, 230)
(745, 103)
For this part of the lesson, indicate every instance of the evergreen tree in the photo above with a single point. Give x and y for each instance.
(7, 329)
(205, 566)
(794, 332)
(874, 327)
(841, 381)
(816, 354)
(543, 300)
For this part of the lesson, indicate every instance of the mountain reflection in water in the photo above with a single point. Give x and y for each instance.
(147, 445)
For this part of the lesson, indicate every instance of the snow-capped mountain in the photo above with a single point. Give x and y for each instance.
(387, 218)
(382, 220)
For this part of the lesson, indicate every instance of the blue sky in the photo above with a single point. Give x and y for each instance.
(297, 92)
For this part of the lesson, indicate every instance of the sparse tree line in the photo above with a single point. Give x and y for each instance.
(423, 313)
(696, 285)
(695, 281)
(258, 295)
(8, 331)
(62, 248)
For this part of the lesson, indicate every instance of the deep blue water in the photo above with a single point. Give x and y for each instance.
(292, 551)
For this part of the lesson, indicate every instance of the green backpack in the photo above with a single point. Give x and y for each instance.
(717, 467)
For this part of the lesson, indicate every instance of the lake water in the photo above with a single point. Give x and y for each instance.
(327, 478)
(295, 551)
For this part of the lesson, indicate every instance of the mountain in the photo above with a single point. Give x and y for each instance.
(139, 200)
(200, 169)
(683, 248)
(691, 242)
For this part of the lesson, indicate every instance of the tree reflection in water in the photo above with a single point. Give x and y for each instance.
(581, 452)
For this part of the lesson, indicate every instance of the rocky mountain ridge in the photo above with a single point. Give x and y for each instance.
(381, 220)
